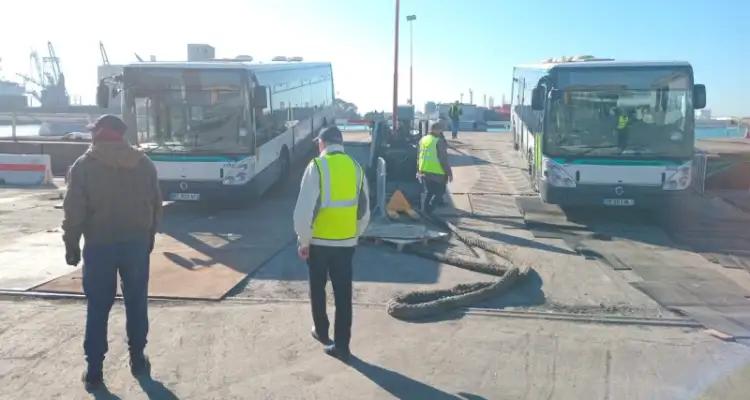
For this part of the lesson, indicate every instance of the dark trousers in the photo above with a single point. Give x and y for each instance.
(434, 192)
(101, 263)
(336, 263)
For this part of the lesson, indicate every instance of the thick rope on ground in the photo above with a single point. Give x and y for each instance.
(472, 242)
(461, 262)
(426, 303)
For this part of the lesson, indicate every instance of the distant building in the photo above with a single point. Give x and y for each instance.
(472, 116)
(430, 107)
(703, 114)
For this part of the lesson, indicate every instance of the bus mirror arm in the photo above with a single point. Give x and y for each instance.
(537, 98)
(699, 96)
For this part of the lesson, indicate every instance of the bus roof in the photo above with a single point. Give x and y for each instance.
(254, 66)
(603, 64)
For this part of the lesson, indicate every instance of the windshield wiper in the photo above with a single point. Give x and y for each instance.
(203, 146)
(590, 149)
(159, 146)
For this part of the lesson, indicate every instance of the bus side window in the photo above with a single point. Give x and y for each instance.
(264, 124)
(247, 133)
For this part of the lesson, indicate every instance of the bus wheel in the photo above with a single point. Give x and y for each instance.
(532, 173)
(284, 167)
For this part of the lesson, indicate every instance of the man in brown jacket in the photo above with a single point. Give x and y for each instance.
(113, 201)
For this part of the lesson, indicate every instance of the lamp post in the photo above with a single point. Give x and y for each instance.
(394, 117)
(411, 19)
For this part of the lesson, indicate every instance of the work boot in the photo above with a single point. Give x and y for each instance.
(93, 378)
(140, 365)
(322, 339)
(341, 354)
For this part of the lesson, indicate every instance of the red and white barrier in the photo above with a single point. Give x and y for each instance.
(25, 169)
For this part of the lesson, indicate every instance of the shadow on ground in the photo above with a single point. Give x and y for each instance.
(155, 390)
(461, 158)
(402, 386)
(371, 264)
(526, 293)
(103, 393)
(517, 241)
(465, 160)
(224, 233)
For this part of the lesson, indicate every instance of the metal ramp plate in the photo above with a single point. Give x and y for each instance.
(401, 234)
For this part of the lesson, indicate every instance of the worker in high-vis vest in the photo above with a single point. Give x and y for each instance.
(331, 213)
(622, 121)
(454, 113)
(433, 169)
(623, 128)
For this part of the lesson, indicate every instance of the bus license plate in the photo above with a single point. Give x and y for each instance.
(619, 202)
(185, 196)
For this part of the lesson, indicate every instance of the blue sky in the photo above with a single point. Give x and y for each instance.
(459, 45)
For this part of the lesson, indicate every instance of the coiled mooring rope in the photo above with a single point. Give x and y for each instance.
(427, 303)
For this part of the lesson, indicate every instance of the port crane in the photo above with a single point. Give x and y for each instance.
(103, 51)
(47, 75)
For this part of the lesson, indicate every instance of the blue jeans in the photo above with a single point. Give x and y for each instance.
(101, 263)
(454, 128)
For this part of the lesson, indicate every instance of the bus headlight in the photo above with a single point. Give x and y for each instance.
(556, 175)
(680, 179)
(237, 174)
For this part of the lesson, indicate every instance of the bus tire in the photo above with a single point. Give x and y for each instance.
(533, 173)
(284, 167)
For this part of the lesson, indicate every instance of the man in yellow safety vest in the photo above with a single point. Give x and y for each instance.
(455, 112)
(332, 211)
(433, 169)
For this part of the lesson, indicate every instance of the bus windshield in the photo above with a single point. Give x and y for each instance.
(633, 113)
(188, 110)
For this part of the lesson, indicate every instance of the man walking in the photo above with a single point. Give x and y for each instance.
(332, 211)
(113, 201)
(454, 113)
(433, 168)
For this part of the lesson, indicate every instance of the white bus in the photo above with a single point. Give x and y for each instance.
(225, 130)
(601, 132)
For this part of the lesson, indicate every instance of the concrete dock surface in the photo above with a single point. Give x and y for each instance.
(577, 328)
(240, 350)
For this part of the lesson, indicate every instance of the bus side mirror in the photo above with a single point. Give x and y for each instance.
(102, 95)
(260, 98)
(699, 96)
(537, 98)
(556, 94)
